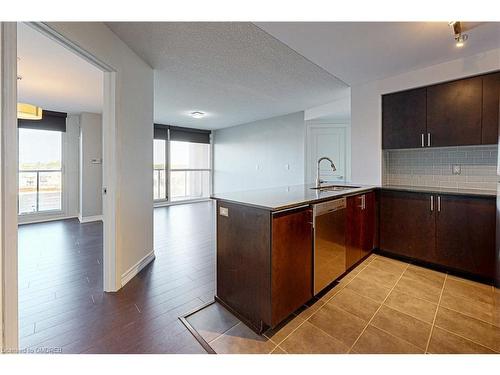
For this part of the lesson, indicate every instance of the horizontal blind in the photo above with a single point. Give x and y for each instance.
(51, 120)
(160, 131)
(181, 134)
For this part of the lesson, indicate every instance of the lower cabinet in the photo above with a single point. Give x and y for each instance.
(465, 234)
(291, 262)
(454, 231)
(264, 262)
(407, 224)
(360, 227)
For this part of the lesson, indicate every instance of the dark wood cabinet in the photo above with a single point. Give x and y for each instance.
(407, 224)
(451, 231)
(264, 262)
(368, 241)
(353, 230)
(491, 94)
(465, 234)
(244, 263)
(291, 262)
(454, 113)
(360, 227)
(404, 119)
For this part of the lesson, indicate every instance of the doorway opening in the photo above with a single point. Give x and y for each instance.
(40, 191)
(60, 239)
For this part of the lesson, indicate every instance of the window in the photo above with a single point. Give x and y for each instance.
(182, 159)
(40, 171)
(189, 170)
(160, 169)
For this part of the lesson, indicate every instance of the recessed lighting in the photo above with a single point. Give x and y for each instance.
(197, 114)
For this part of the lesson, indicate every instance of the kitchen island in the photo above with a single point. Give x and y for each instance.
(265, 247)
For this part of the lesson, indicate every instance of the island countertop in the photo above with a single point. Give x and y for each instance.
(285, 197)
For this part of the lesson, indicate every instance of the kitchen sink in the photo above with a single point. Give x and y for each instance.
(334, 188)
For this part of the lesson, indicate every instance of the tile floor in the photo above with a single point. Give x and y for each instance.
(382, 306)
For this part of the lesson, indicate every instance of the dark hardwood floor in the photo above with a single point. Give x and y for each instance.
(61, 304)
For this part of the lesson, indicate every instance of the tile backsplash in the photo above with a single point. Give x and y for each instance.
(434, 167)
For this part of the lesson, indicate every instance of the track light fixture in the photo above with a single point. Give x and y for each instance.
(458, 35)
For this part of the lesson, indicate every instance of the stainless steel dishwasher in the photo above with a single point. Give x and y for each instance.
(329, 242)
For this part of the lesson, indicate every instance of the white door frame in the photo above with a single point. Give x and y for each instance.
(8, 174)
(308, 174)
(8, 198)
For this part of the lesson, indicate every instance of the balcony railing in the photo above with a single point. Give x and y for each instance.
(159, 184)
(184, 184)
(39, 191)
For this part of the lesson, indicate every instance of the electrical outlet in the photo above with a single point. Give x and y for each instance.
(224, 211)
(456, 169)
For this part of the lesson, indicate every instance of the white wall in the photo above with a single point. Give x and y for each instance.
(366, 112)
(90, 172)
(255, 155)
(134, 153)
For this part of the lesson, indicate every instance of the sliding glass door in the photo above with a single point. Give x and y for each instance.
(40, 171)
(182, 164)
(189, 170)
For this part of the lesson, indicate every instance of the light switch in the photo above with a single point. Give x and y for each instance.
(224, 211)
(287, 167)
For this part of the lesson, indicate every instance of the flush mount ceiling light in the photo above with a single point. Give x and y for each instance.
(197, 114)
(29, 112)
(459, 36)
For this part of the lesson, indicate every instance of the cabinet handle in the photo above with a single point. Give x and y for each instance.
(432, 203)
(362, 205)
(423, 144)
(428, 139)
(439, 203)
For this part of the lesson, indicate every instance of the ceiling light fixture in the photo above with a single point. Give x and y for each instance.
(197, 114)
(29, 112)
(460, 37)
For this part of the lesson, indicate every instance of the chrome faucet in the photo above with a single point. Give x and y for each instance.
(318, 180)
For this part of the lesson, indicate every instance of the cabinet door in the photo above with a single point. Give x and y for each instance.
(354, 228)
(403, 119)
(360, 228)
(454, 113)
(369, 223)
(491, 93)
(465, 234)
(291, 262)
(407, 224)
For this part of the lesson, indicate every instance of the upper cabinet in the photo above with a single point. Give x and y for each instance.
(457, 113)
(454, 113)
(403, 119)
(491, 95)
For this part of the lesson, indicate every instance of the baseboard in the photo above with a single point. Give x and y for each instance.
(45, 219)
(136, 268)
(89, 219)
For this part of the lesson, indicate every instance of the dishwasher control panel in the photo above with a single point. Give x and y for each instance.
(330, 206)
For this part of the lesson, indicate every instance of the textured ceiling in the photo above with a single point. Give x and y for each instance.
(358, 52)
(235, 72)
(53, 77)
